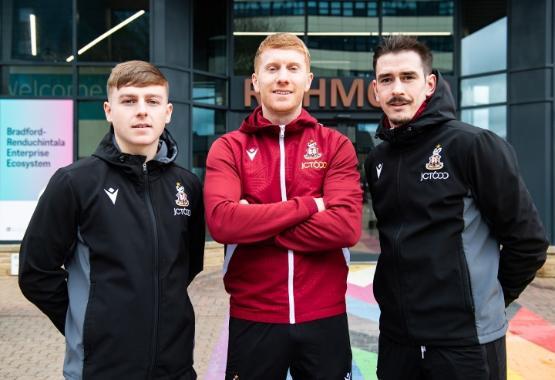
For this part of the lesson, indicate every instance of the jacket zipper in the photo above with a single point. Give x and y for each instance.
(156, 274)
(397, 247)
(290, 256)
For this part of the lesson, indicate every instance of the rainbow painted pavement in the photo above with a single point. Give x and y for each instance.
(530, 340)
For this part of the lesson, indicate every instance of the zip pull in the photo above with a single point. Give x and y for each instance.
(282, 131)
(423, 350)
(145, 171)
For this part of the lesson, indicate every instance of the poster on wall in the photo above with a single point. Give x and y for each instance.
(36, 139)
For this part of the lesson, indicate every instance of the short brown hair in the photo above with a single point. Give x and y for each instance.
(282, 41)
(398, 43)
(135, 73)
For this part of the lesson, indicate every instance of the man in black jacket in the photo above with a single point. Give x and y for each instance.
(115, 240)
(459, 234)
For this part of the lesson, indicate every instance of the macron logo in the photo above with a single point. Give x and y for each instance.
(112, 194)
(379, 169)
(252, 152)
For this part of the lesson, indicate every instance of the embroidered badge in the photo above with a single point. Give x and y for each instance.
(181, 195)
(434, 162)
(312, 152)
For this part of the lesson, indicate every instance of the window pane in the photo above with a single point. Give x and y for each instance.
(209, 90)
(485, 50)
(115, 30)
(341, 38)
(491, 118)
(208, 125)
(92, 80)
(430, 21)
(34, 81)
(210, 38)
(244, 50)
(341, 18)
(336, 56)
(41, 30)
(92, 127)
(254, 20)
(484, 90)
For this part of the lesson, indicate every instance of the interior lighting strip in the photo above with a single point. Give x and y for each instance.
(106, 34)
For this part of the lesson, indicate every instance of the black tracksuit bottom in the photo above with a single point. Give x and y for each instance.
(479, 362)
(317, 349)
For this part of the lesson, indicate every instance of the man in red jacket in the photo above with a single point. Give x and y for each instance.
(283, 194)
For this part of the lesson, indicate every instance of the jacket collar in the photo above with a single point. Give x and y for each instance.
(256, 123)
(109, 151)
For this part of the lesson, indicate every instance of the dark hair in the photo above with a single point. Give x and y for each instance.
(398, 43)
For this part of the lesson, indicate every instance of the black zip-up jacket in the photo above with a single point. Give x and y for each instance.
(130, 238)
(447, 197)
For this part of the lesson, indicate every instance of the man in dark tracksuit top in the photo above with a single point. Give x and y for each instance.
(115, 240)
(447, 197)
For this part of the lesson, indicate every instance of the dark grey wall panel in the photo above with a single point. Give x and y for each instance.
(530, 33)
(531, 85)
(533, 144)
(171, 32)
(171, 40)
(530, 99)
(178, 37)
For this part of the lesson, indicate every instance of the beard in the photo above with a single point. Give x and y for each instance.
(399, 121)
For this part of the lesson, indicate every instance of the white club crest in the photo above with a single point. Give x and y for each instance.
(312, 152)
(181, 195)
(434, 162)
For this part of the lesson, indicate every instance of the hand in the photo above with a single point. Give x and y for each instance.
(243, 202)
(320, 204)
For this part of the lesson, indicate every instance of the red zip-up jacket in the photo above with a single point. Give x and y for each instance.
(285, 262)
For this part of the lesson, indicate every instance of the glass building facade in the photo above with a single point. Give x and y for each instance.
(64, 49)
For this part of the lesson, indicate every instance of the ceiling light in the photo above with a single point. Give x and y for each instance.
(106, 34)
(33, 30)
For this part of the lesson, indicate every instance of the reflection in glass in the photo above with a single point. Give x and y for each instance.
(254, 20)
(430, 21)
(342, 36)
(92, 126)
(344, 17)
(92, 80)
(210, 38)
(336, 56)
(41, 30)
(244, 50)
(208, 125)
(112, 30)
(491, 118)
(485, 50)
(209, 90)
(484, 90)
(32, 81)
(265, 16)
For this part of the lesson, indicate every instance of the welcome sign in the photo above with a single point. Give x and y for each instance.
(36, 138)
